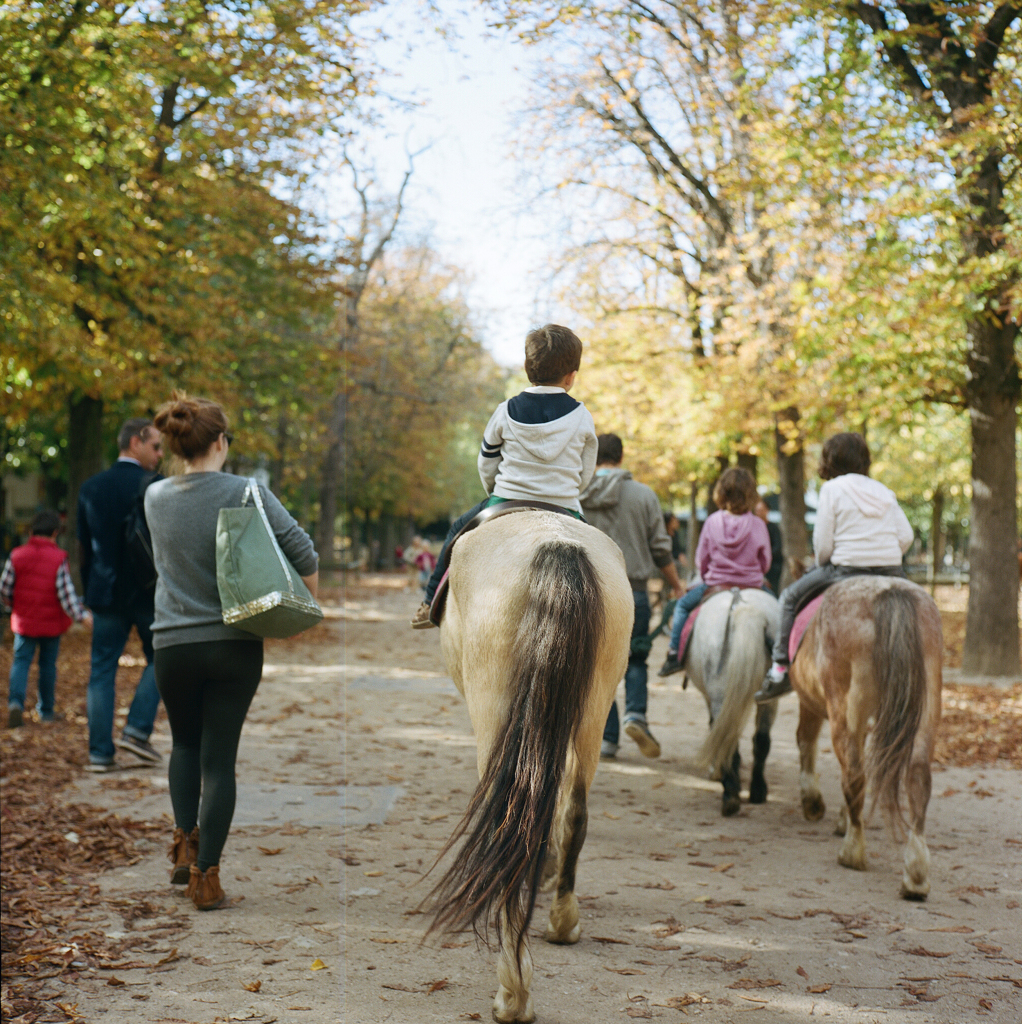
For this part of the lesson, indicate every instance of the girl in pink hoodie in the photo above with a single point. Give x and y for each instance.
(733, 551)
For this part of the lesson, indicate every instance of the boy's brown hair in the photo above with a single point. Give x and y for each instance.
(736, 491)
(551, 353)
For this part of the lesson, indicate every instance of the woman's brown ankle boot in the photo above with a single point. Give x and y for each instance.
(183, 854)
(204, 887)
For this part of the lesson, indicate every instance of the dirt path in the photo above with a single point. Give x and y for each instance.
(684, 913)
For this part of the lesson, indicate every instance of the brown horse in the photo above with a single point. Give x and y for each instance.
(871, 659)
(535, 635)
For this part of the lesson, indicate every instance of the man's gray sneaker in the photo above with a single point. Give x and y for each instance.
(140, 748)
(639, 731)
(101, 767)
(608, 751)
(15, 716)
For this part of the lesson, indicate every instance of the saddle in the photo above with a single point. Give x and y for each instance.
(436, 608)
(686, 631)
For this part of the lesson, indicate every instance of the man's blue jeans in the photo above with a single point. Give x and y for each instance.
(24, 652)
(110, 632)
(635, 675)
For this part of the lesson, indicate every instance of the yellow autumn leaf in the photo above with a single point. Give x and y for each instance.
(317, 965)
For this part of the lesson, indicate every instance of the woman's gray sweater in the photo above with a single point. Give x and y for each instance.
(182, 512)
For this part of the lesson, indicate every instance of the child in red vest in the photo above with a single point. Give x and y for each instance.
(36, 588)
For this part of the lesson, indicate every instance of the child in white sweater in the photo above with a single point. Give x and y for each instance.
(539, 445)
(860, 528)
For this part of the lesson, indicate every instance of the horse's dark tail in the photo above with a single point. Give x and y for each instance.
(497, 871)
(899, 669)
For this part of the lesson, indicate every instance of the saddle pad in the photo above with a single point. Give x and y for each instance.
(686, 633)
(801, 624)
(436, 608)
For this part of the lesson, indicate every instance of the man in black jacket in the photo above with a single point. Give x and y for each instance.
(117, 599)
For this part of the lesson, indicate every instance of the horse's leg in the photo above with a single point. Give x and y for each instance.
(570, 829)
(915, 879)
(810, 721)
(514, 999)
(765, 714)
(730, 776)
(849, 738)
(842, 821)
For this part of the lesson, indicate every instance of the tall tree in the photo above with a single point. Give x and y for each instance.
(146, 242)
(953, 68)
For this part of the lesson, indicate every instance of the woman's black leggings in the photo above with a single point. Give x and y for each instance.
(206, 689)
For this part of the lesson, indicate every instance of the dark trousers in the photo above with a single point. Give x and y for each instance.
(206, 689)
(456, 527)
(811, 585)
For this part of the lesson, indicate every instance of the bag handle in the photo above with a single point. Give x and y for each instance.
(253, 490)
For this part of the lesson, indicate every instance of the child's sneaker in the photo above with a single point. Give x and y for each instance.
(421, 619)
(608, 751)
(670, 666)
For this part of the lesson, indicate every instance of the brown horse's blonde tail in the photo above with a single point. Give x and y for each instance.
(496, 873)
(899, 670)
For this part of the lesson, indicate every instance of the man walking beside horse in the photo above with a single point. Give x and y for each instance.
(629, 513)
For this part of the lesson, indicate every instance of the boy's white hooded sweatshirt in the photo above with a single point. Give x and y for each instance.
(541, 444)
(859, 522)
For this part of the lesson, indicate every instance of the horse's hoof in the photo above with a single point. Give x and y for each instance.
(917, 895)
(557, 939)
(504, 1014)
(730, 805)
(852, 855)
(813, 807)
(758, 791)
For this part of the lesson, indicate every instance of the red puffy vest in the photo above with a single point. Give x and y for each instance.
(36, 608)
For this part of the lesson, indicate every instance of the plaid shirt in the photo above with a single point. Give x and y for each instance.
(66, 593)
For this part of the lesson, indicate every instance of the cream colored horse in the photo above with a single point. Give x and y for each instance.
(535, 635)
(871, 659)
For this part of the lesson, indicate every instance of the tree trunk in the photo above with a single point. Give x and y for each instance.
(692, 536)
(331, 481)
(991, 634)
(84, 459)
(937, 532)
(722, 464)
(792, 485)
(748, 461)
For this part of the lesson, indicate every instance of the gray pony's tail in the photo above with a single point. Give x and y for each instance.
(739, 673)
(498, 869)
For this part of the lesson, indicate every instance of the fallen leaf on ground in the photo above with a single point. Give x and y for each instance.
(169, 958)
(748, 983)
(255, 986)
(986, 1004)
(802, 971)
(688, 999)
(115, 981)
(372, 938)
(398, 988)
(270, 852)
(818, 989)
(725, 867)
(920, 951)
(372, 874)
(639, 1012)
(624, 970)
(958, 929)
(604, 938)
(469, 1016)
(436, 986)
(454, 945)
(985, 947)
(317, 965)
(613, 817)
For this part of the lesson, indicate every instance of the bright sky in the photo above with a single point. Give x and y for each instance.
(463, 191)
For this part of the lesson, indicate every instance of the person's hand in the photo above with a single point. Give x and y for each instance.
(87, 618)
(677, 591)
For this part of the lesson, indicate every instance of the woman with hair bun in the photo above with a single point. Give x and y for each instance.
(207, 672)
